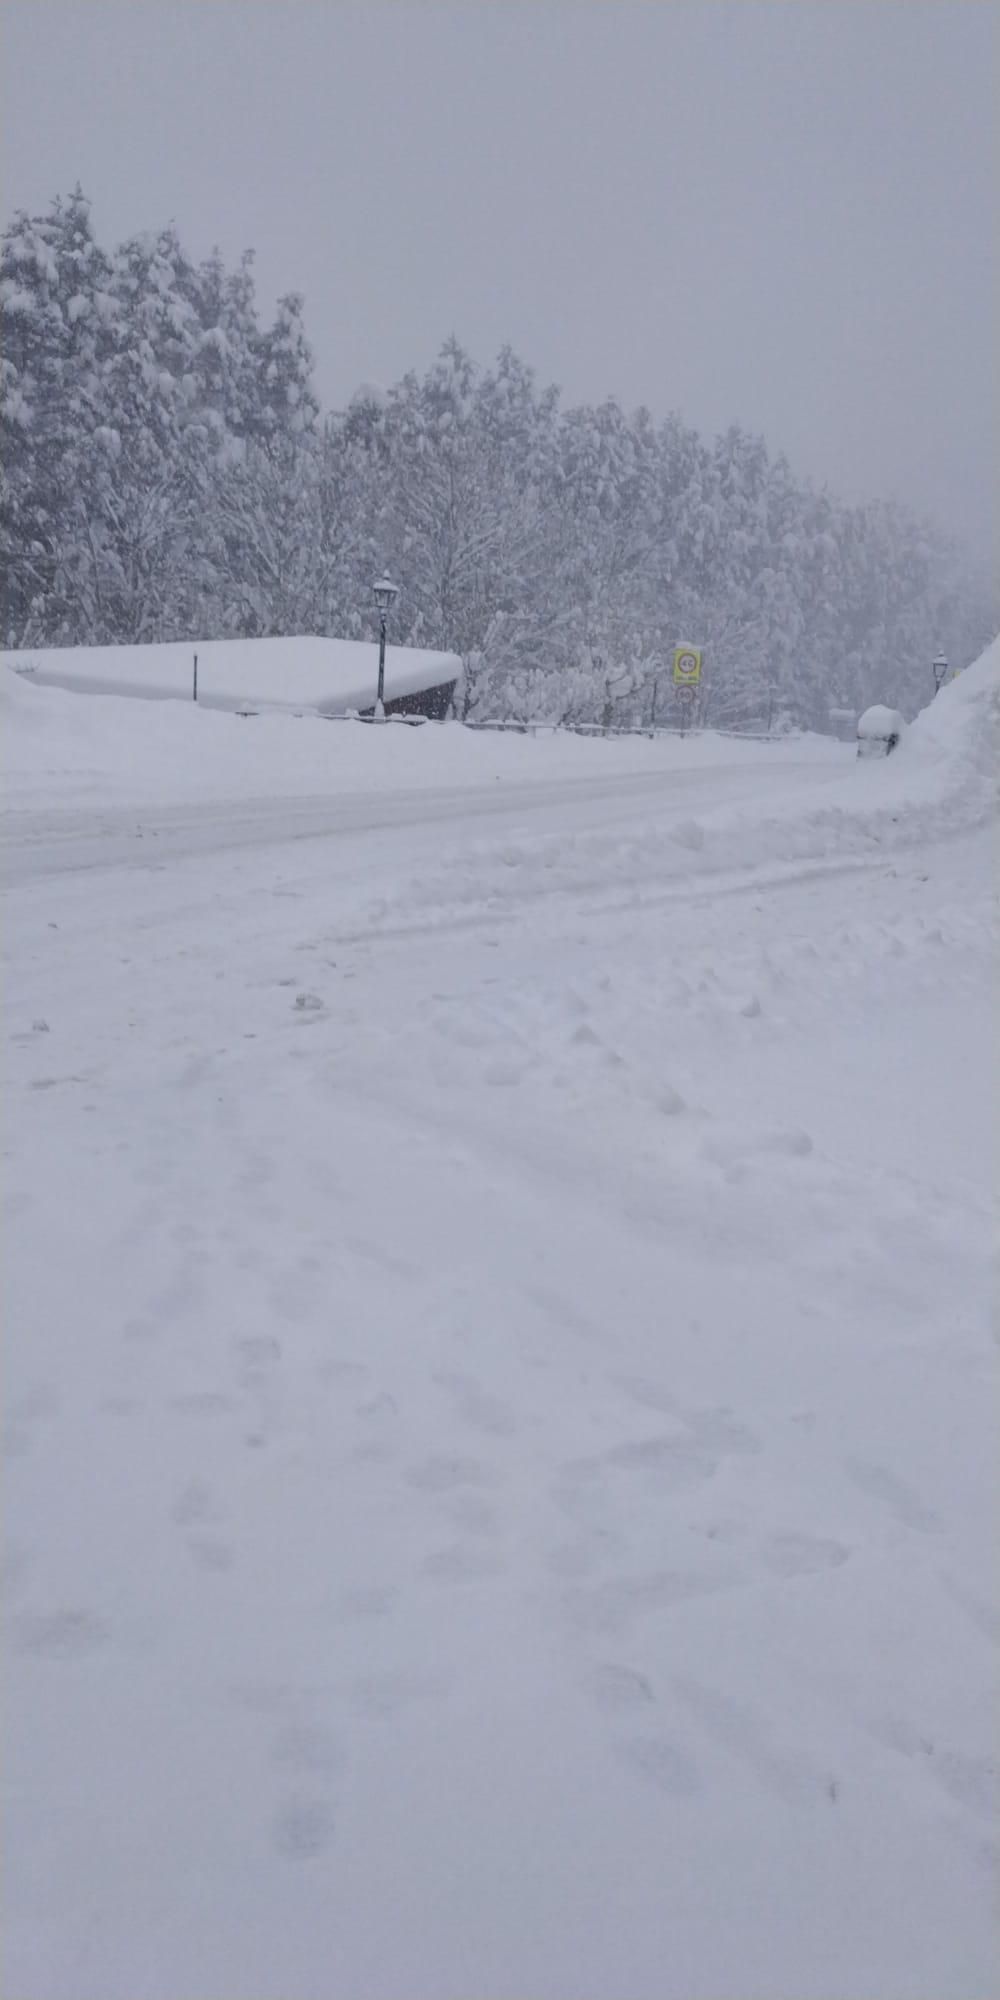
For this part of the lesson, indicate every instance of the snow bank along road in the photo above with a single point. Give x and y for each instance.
(497, 1400)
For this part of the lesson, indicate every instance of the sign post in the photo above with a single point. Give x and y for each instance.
(687, 680)
(684, 697)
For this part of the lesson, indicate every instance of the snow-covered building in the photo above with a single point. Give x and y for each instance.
(307, 675)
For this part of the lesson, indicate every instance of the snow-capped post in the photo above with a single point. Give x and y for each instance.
(383, 591)
(939, 668)
(879, 731)
(195, 692)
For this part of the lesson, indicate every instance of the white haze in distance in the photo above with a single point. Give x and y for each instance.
(782, 214)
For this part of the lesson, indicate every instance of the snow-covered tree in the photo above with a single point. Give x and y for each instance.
(58, 338)
(166, 471)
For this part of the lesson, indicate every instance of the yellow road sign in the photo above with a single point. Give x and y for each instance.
(687, 666)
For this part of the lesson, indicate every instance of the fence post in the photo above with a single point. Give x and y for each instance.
(196, 677)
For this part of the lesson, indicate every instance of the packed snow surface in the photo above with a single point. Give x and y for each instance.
(499, 1489)
(329, 676)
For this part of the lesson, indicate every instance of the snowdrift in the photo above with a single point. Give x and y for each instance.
(959, 731)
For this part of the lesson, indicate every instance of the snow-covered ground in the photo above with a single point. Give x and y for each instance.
(499, 1393)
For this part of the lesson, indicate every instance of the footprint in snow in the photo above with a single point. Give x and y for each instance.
(460, 1564)
(900, 1499)
(590, 1551)
(618, 1689)
(208, 1552)
(472, 1514)
(790, 1775)
(661, 1764)
(802, 1555)
(365, 1601)
(614, 1605)
(202, 1403)
(302, 1828)
(441, 1474)
(72, 1633)
(676, 1462)
(23, 1417)
(734, 1152)
(196, 1506)
(381, 1695)
(478, 1407)
(197, 1511)
(716, 1429)
(308, 1747)
(973, 1782)
(980, 1614)
(505, 1075)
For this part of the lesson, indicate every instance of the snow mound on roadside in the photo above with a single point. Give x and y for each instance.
(960, 728)
(880, 722)
(18, 702)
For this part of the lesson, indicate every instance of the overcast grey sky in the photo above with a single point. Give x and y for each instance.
(773, 212)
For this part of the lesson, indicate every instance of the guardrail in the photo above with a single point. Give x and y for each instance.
(509, 725)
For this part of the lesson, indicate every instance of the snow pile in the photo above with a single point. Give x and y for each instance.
(880, 722)
(959, 731)
(330, 676)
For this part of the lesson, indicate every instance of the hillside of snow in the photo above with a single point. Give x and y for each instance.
(500, 1478)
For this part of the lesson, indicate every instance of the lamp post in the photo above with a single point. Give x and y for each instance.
(939, 668)
(383, 591)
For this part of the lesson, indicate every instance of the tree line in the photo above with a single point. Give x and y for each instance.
(167, 473)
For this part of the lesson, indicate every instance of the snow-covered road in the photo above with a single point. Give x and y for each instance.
(498, 1488)
(46, 843)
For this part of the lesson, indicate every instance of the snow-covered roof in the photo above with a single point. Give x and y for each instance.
(328, 676)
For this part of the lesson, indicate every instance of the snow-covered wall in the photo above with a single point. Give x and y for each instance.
(329, 676)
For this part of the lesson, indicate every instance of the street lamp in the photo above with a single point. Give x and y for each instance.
(383, 591)
(939, 668)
